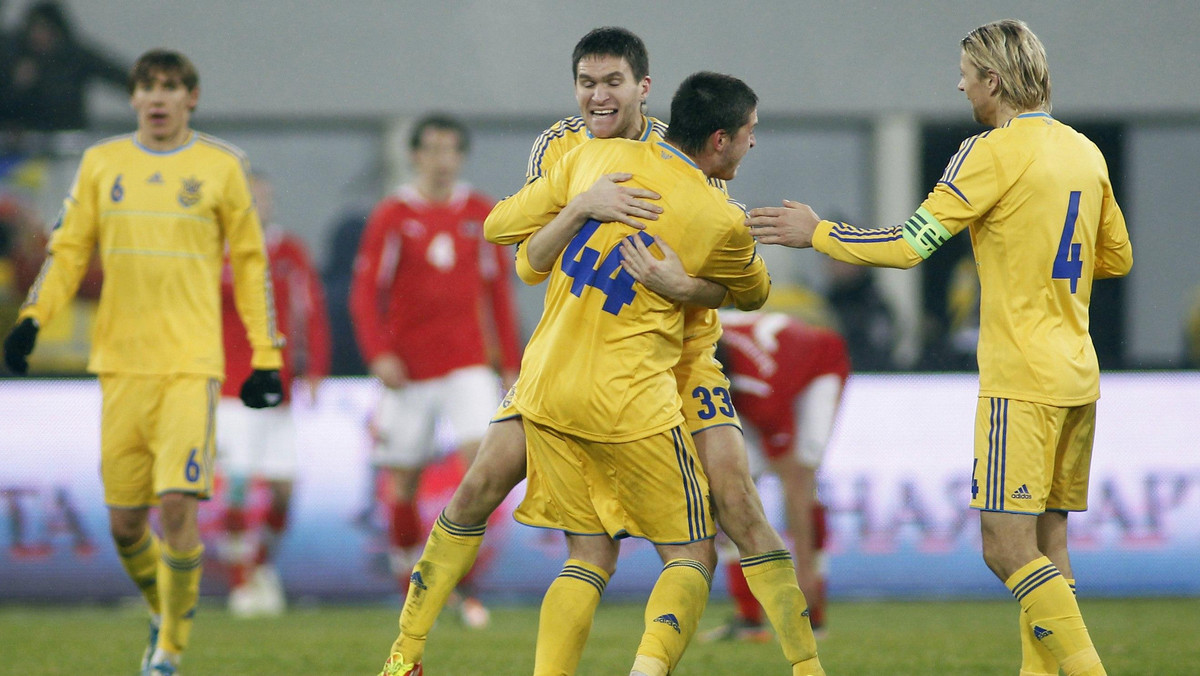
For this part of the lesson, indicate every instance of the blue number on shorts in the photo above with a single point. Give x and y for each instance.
(706, 401)
(1068, 264)
(192, 471)
(710, 408)
(579, 263)
(974, 479)
(726, 407)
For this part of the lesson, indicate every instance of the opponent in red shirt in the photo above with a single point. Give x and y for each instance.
(260, 444)
(787, 379)
(433, 314)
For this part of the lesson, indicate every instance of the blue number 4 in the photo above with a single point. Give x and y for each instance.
(1068, 264)
(579, 263)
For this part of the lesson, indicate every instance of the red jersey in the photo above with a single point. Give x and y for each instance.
(771, 358)
(299, 314)
(428, 288)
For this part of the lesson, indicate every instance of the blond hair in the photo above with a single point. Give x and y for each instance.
(1009, 49)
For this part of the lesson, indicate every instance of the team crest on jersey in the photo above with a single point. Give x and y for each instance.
(117, 193)
(189, 193)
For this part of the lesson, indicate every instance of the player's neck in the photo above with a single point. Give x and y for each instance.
(164, 144)
(636, 133)
(435, 191)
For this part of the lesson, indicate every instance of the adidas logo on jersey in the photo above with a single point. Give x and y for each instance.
(417, 581)
(1040, 632)
(1021, 493)
(670, 620)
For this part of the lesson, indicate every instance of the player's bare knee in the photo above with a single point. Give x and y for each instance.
(125, 533)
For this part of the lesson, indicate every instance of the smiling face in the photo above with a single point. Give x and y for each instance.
(610, 97)
(164, 106)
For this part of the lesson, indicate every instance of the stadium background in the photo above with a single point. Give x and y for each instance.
(858, 104)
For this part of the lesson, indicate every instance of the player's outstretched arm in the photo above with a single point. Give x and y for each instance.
(791, 225)
(666, 276)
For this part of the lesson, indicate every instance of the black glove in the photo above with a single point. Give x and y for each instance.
(19, 344)
(263, 389)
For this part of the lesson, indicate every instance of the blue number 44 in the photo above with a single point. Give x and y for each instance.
(579, 263)
(1068, 264)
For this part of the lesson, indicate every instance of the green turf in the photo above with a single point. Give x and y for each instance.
(1146, 637)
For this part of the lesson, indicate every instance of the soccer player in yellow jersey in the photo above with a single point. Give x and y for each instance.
(162, 206)
(608, 454)
(1035, 196)
(610, 69)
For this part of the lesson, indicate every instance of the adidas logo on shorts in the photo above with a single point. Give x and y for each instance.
(1040, 632)
(1021, 493)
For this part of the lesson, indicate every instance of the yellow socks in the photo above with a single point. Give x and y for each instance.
(1036, 659)
(566, 617)
(672, 614)
(178, 589)
(141, 564)
(1048, 601)
(772, 579)
(449, 554)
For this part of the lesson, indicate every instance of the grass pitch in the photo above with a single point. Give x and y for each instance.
(1148, 637)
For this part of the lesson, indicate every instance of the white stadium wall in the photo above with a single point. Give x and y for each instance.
(897, 481)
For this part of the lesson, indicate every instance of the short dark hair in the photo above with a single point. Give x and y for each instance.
(167, 62)
(613, 41)
(707, 102)
(439, 121)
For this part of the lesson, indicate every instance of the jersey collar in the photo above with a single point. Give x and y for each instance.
(178, 149)
(645, 130)
(678, 153)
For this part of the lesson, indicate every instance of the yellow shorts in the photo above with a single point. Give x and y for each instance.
(652, 488)
(707, 400)
(156, 436)
(1031, 458)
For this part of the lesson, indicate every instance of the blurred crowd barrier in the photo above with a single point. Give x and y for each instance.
(897, 481)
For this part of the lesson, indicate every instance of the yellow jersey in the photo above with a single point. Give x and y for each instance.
(598, 365)
(702, 327)
(1036, 198)
(162, 222)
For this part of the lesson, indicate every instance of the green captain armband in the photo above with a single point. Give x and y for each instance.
(924, 233)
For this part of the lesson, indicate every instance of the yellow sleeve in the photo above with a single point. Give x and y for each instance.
(1114, 253)
(518, 216)
(525, 271)
(252, 292)
(738, 267)
(70, 249)
(880, 247)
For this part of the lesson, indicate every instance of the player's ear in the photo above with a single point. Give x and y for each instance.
(719, 139)
(993, 82)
